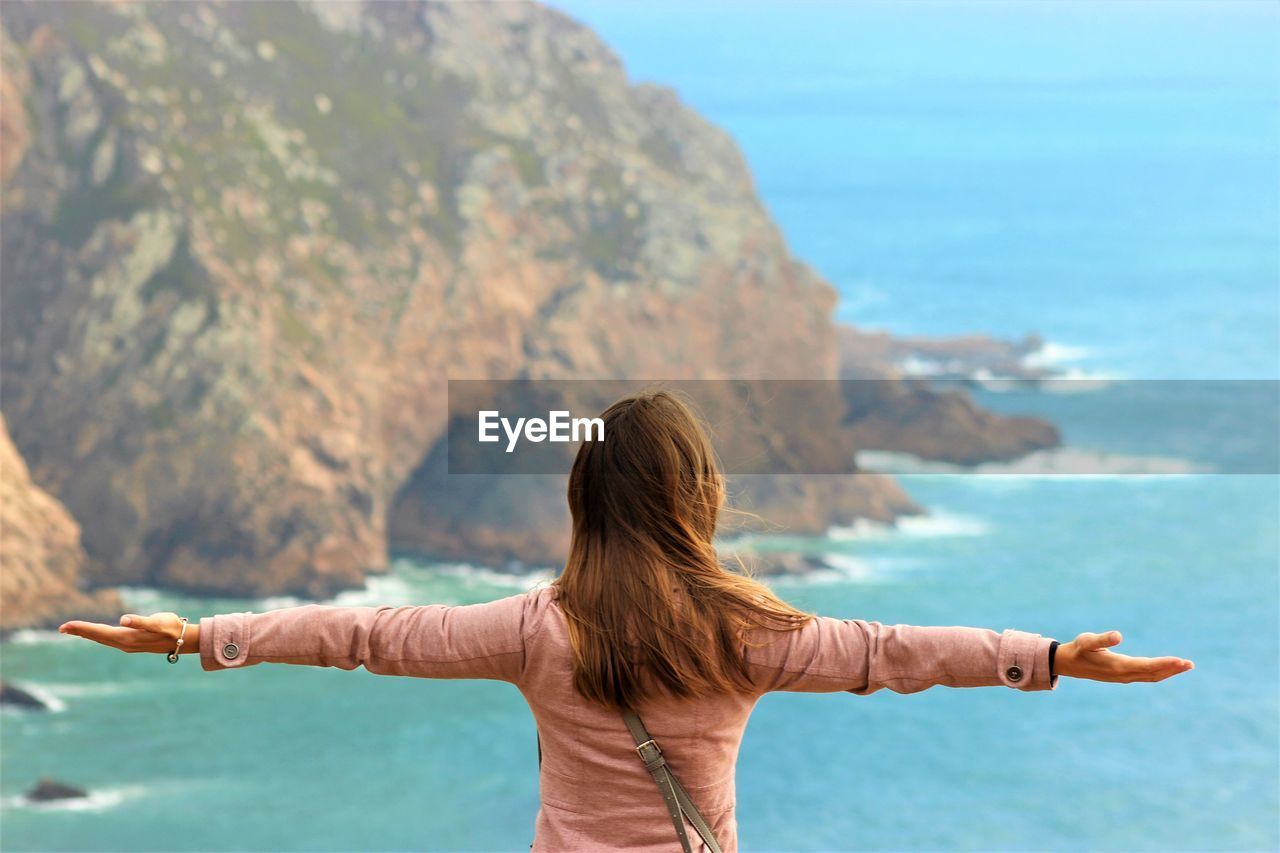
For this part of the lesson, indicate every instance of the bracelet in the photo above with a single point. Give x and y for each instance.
(173, 655)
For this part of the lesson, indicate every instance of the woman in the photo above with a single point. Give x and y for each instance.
(643, 617)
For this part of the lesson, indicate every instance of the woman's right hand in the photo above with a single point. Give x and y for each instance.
(1088, 656)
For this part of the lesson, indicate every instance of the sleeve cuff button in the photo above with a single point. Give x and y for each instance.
(230, 651)
(1014, 673)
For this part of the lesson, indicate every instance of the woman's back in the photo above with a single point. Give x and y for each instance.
(595, 790)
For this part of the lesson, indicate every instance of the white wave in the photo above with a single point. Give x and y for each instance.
(77, 690)
(402, 585)
(849, 568)
(95, 801)
(843, 568)
(1078, 381)
(860, 528)
(378, 590)
(146, 599)
(1065, 376)
(1078, 463)
(941, 524)
(935, 525)
(405, 583)
(522, 578)
(1050, 368)
(36, 636)
(1053, 354)
(893, 462)
(1062, 462)
(1074, 381)
(43, 692)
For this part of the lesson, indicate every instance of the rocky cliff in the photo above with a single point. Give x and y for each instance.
(244, 246)
(42, 564)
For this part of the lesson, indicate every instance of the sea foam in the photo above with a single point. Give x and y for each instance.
(96, 800)
(522, 579)
(409, 582)
(36, 636)
(1058, 463)
(45, 693)
(1051, 368)
(935, 525)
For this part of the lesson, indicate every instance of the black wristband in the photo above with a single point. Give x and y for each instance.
(1053, 650)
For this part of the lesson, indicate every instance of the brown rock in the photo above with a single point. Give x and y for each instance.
(14, 696)
(943, 425)
(226, 340)
(42, 565)
(47, 790)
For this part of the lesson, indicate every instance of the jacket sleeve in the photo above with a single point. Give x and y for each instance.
(829, 655)
(428, 641)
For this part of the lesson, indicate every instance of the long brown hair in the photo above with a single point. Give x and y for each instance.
(647, 600)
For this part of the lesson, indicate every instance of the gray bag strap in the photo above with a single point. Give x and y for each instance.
(673, 793)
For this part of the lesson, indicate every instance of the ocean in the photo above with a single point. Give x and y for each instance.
(1106, 175)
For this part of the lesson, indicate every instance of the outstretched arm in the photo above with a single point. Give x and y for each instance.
(429, 641)
(830, 655)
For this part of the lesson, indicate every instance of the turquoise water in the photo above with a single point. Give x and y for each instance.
(1104, 175)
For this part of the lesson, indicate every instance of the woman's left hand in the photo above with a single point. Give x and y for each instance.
(1090, 656)
(157, 633)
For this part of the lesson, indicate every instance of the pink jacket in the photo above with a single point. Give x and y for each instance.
(595, 791)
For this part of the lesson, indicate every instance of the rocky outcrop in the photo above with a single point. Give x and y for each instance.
(944, 425)
(245, 245)
(891, 411)
(47, 790)
(42, 564)
(16, 697)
